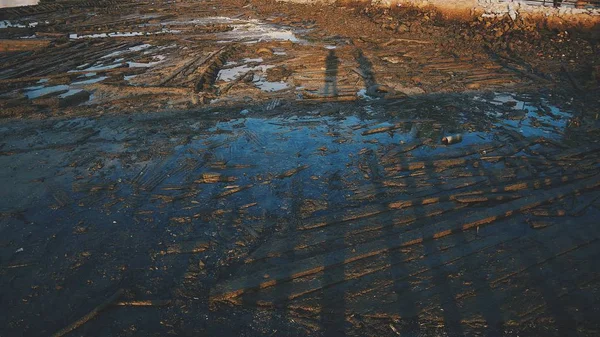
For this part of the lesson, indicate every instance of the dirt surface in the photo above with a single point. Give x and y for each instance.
(252, 168)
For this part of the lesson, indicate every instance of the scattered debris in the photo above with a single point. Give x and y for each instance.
(452, 139)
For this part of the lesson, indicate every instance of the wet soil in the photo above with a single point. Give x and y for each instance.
(257, 168)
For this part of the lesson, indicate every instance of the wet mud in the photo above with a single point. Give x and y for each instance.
(257, 168)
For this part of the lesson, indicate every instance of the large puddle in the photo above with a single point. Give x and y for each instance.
(259, 151)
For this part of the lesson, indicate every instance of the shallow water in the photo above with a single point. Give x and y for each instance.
(121, 34)
(90, 81)
(131, 49)
(38, 91)
(230, 74)
(267, 86)
(159, 59)
(131, 177)
(530, 119)
(249, 31)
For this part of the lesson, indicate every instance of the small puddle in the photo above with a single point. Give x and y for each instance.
(101, 66)
(528, 118)
(230, 74)
(9, 24)
(362, 94)
(120, 34)
(254, 32)
(126, 57)
(210, 20)
(39, 91)
(63, 90)
(159, 58)
(128, 50)
(259, 79)
(129, 77)
(90, 81)
(248, 31)
(70, 93)
(267, 86)
(263, 32)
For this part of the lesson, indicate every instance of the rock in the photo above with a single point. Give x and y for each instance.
(379, 90)
(249, 77)
(392, 59)
(473, 86)
(264, 51)
(402, 28)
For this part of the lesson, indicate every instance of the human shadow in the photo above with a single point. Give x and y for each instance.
(331, 72)
(333, 307)
(365, 68)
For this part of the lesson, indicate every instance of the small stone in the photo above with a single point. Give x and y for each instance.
(402, 28)
(264, 51)
(392, 59)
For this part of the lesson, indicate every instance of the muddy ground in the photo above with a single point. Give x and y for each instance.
(251, 168)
